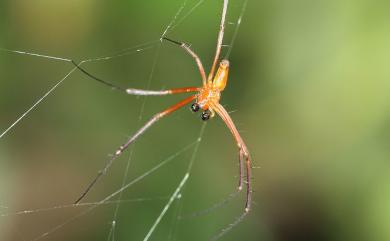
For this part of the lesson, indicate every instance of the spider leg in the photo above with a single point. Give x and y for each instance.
(248, 180)
(193, 54)
(132, 91)
(113, 86)
(243, 152)
(240, 162)
(137, 134)
(162, 92)
(219, 41)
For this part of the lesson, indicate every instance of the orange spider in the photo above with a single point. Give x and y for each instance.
(207, 98)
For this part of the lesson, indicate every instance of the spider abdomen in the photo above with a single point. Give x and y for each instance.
(220, 78)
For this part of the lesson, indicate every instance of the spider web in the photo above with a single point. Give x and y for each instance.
(187, 153)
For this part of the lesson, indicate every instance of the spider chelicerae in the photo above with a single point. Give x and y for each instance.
(206, 98)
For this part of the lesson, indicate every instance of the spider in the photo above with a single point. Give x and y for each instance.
(206, 98)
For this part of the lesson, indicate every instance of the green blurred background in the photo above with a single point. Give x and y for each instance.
(309, 86)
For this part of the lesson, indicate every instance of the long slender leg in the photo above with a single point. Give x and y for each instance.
(161, 92)
(219, 41)
(243, 150)
(123, 147)
(113, 86)
(132, 91)
(240, 166)
(194, 55)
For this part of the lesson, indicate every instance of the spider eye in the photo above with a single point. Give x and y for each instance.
(206, 115)
(195, 107)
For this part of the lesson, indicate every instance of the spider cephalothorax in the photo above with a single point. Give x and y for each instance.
(210, 94)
